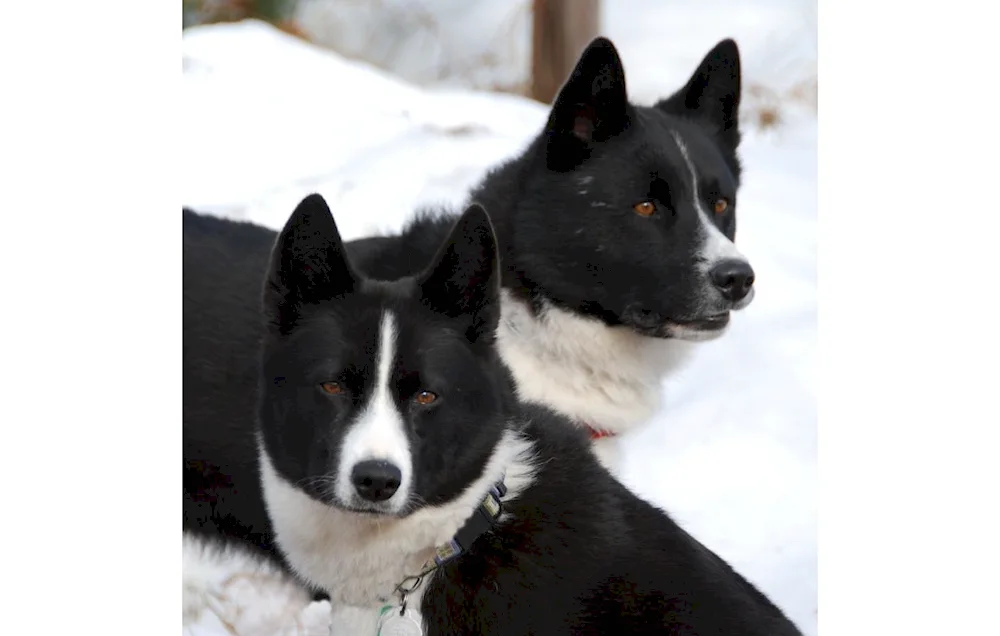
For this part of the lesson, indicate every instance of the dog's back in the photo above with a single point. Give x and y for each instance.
(224, 263)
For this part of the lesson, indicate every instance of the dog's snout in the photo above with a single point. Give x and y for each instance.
(376, 479)
(734, 278)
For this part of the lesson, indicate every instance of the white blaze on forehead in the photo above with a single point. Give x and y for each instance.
(380, 429)
(716, 246)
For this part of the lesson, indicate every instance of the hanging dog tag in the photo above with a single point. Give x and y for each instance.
(393, 623)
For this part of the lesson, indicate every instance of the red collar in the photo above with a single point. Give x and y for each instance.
(596, 434)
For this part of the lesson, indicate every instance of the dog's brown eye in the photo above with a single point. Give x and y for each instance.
(333, 388)
(646, 208)
(423, 398)
(721, 206)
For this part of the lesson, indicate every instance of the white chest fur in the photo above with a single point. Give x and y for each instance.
(607, 377)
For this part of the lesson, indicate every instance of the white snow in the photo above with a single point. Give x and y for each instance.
(732, 456)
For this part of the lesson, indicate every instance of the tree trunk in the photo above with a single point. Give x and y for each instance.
(560, 31)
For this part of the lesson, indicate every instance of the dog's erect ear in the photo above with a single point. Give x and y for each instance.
(463, 280)
(591, 107)
(712, 95)
(308, 264)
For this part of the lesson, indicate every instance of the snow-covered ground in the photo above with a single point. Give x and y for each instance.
(732, 456)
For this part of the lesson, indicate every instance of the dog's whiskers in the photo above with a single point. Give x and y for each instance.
(324, 483)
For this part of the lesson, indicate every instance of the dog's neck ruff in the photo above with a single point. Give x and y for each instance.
(607, 379)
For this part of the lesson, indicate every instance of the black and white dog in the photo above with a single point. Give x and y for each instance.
(404, 477)
(616, 227)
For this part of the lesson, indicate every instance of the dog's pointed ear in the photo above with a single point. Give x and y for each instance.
(308, 264)
(463, 280)
(591, 107)
(712, 95)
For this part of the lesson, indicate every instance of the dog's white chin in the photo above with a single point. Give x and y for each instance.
(392, 509)
(691, 334)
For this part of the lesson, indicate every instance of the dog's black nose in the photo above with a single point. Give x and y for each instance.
(733, 278)
(376, 479)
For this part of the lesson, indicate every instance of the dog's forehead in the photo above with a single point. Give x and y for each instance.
(646, 148)
(380, 291)
(415, 331)
(681, 142)
(659, 133)
(652, 138)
